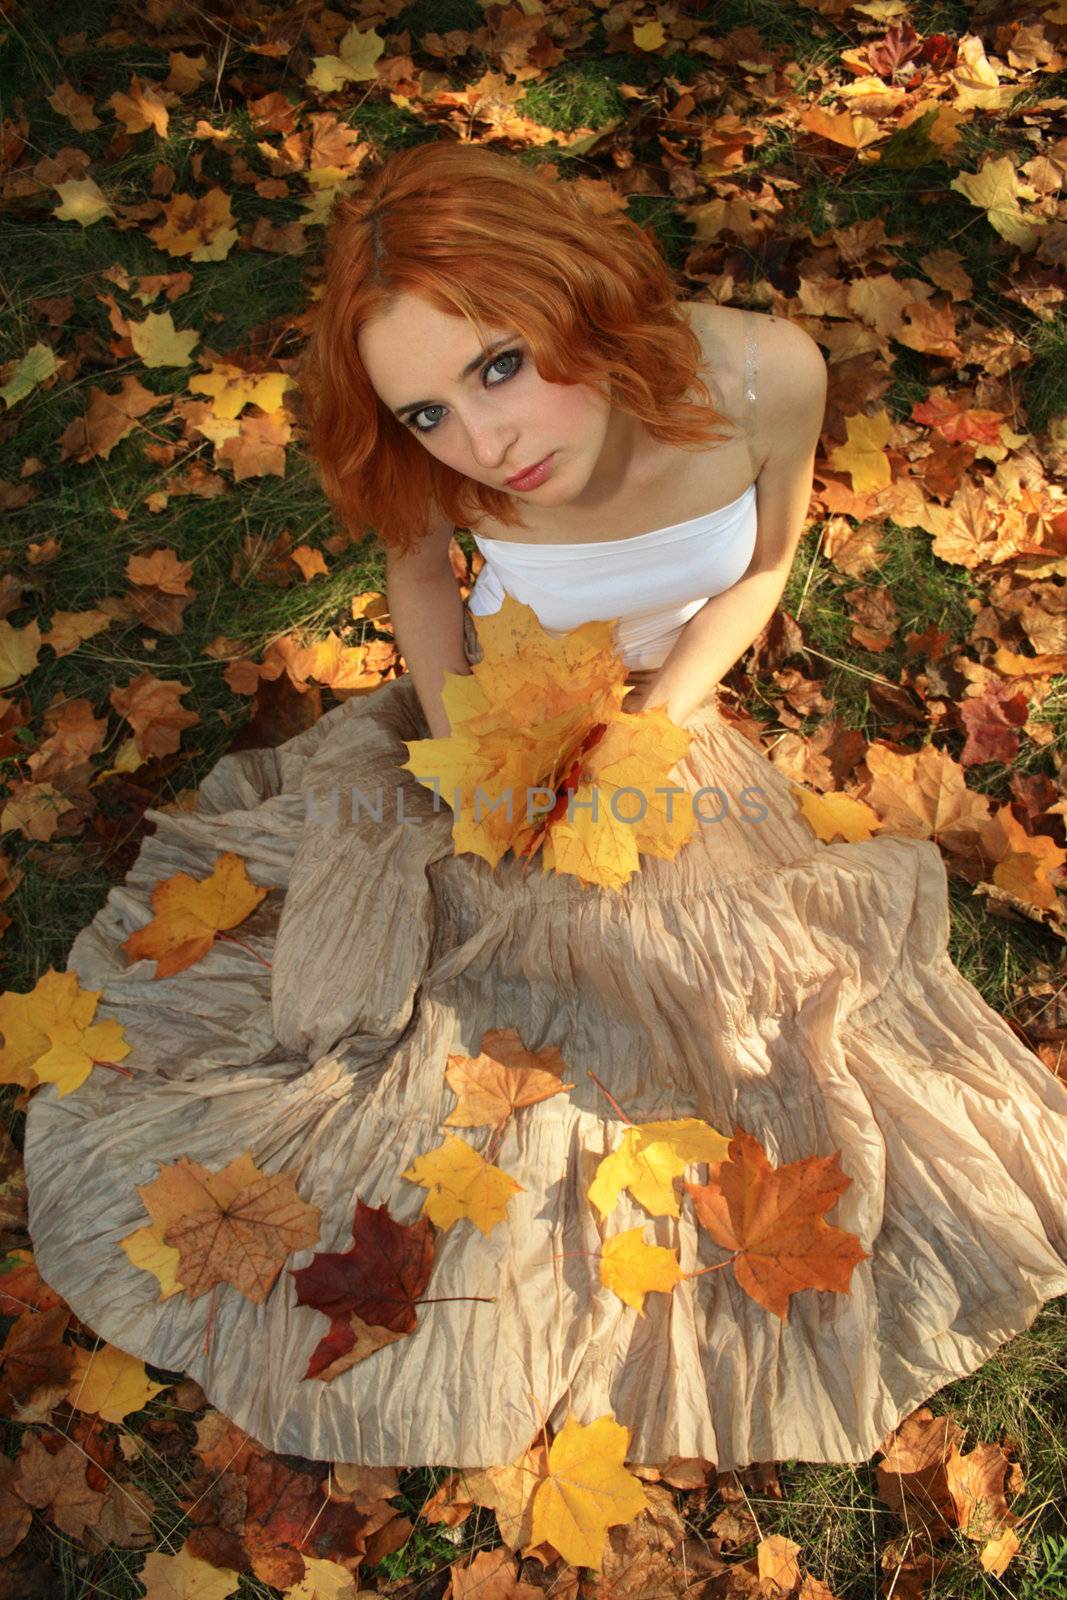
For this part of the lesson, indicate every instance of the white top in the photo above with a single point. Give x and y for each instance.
(649, 584)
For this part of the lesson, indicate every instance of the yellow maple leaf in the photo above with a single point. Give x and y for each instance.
(146, 1249)
(650, 1157)
(996, 189)
(186, 1577)
(50, 1036)
(37, 364)
(462, 1183)
(158, 342)
(109, 1383)
(587, 1490)
(618, 812)
(231, 389)
(633, 1268)
(649, 35)
(190, 912)
(837, 816)
(863, 456)
(326, 1580)
(357, 53)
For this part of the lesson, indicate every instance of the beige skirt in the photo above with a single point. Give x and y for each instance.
(761, 980)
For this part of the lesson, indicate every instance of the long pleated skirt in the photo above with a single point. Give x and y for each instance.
(762, 980)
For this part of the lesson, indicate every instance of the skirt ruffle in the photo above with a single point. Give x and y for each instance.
(800, 990)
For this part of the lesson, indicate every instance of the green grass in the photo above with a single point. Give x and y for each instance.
(243, 304)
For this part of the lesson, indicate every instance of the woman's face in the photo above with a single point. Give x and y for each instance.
(500, 417)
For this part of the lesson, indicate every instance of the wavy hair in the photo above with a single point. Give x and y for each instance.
(477, 234)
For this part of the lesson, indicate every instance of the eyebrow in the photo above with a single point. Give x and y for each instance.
(483, 355)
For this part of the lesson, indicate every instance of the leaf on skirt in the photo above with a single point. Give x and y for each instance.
(633, 1268)
(191, 912)
(500, 1080)
(462, 1185)
(234, 1226)
(368, 1290)
(771, 1217)
(649, 1158)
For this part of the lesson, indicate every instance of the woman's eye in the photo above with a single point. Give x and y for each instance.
(507, 355)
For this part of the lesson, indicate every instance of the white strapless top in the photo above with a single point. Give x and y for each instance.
(649, 584)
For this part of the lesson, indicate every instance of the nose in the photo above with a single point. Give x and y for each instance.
(493, 445)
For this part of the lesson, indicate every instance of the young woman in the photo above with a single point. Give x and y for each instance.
(476, 321)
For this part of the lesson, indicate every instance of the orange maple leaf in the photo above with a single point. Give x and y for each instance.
(770, 1217)
(190, 912)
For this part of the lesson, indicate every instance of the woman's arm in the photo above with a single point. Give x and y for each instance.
(427, 616)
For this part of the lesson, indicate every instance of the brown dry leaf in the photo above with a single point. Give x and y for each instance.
(19, 648)
(490, 1575)
(258, 447)
(198, 226)
(35, 1358)
(923, 794)
(509, 1491)
(35, 809)
(40, 555)
(489, 1089)
(151, 707)
(21, 1285)
(234, 1226)
(107, 419)
(68, 629)
(143, 107)
(311, 562)
(56, 1485)
(76, 108)
(15, 1515)
(924, 1477)
(75, 735)
(161, 569)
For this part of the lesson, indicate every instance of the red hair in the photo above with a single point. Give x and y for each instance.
(477, 234)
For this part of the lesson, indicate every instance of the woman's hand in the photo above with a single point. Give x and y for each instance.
(635, 700)
(642, 697)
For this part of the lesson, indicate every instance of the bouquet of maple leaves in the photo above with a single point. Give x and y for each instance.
(545, 714)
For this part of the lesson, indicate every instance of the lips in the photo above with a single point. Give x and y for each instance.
(526, 472)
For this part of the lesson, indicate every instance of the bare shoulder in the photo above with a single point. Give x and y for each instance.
(790, 371)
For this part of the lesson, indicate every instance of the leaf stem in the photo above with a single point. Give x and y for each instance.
(607, 1093)
(113, 1066)
(718, 1266)
(229, 939)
